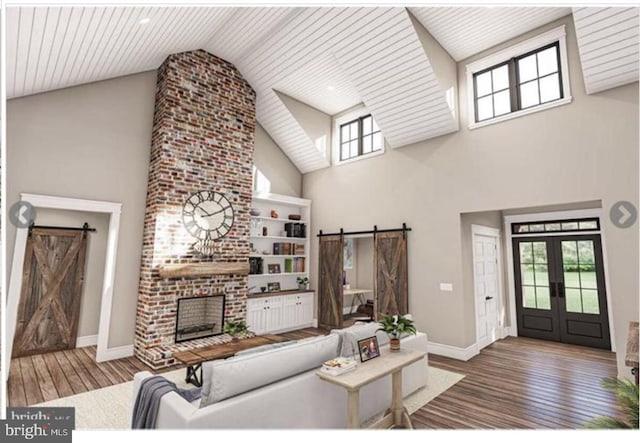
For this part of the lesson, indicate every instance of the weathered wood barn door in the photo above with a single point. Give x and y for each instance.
(330, 281)
(52, 283)
(391, 276)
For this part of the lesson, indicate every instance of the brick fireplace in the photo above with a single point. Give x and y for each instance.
(203, 139)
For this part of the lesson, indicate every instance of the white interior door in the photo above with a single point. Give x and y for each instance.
(487, 287)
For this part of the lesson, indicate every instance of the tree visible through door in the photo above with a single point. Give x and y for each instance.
(52, 282)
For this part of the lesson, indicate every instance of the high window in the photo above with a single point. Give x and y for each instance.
(355, 136)
(359, 137)
(525, 78)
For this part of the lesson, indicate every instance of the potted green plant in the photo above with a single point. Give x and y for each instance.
(627, 394)
(395, 326)
(303, 283)
(235, 328)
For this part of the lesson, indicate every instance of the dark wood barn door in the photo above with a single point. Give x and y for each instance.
(52, 283)
(391, 274)
(330, 281)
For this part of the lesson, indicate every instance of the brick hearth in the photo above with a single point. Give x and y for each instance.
(203, 138)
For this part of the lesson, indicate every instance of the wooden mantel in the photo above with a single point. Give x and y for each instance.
(203, 269)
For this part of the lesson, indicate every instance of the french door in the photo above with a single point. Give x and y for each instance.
(560, 289)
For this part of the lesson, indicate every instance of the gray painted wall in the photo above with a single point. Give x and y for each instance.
(93, 142)
(89, 142)
(586, 150)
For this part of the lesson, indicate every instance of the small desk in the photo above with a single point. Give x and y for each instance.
(358, 295)
(194, 358)
(388, 363)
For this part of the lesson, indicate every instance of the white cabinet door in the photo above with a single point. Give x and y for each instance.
(290, 311)
(305, 308)
(257, 315)
(274, 313)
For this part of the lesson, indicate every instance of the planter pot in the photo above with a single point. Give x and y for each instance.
(302, 287)
(394, 344)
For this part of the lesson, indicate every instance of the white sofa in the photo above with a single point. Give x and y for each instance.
(273, 398)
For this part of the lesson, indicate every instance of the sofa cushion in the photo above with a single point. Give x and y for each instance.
(266, 347)
(227, 378)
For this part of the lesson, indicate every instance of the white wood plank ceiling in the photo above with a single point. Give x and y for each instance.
(464, 31)
(608, 42)
(329, 58)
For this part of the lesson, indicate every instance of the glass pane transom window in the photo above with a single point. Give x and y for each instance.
(492, 93)
(539, 77)
(359, 137)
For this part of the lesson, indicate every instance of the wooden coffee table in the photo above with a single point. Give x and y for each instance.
(194, 358)
(389, 362)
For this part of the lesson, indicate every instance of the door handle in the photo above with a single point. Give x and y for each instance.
(560, 289)
(552, 289)
(488, 298)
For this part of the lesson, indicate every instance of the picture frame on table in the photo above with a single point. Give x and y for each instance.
(273, 268)
(368, 348)
(273, 286)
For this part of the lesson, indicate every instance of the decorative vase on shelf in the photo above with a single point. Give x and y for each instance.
(394, 344)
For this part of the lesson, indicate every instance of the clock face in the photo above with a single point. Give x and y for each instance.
(207, 215)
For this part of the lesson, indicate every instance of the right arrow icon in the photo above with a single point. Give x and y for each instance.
(623, 214)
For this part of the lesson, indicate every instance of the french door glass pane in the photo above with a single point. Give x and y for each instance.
(579, 270)
(527, 275)
(535, 275)
(529, 297)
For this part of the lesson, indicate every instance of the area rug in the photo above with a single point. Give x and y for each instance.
(110, 408)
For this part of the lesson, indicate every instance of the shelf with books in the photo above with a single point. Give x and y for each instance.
(281, 274)
(284, 220)
(277, 237)
(285, 249)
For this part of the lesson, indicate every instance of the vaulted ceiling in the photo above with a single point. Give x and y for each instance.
(328, 58)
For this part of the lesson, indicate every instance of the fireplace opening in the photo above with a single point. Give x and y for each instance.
(199, 317)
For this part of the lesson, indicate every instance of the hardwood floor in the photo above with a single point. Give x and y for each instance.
(521, 383)
(514, 383)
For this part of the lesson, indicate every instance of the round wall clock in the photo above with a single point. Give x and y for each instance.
(207, 215)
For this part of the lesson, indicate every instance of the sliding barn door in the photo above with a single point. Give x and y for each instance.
(330, 282)
(391, 284)
(51, 290)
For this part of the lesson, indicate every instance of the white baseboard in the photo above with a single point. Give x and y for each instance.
(118, 352)
(87, 340)
(453, 351)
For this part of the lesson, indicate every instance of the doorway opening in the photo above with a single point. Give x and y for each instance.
(358, 279)
(559, 281)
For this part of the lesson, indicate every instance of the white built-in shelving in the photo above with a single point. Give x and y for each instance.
(262, 245)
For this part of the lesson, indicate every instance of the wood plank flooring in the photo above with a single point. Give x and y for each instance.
(521, 383)
(516, 383)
